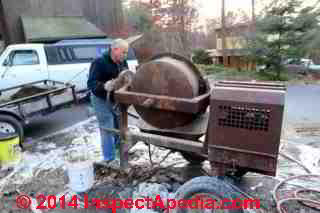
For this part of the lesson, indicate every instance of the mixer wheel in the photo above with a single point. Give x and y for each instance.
(204, 188)
(192, 158)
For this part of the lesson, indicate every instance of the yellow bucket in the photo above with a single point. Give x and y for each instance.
(10, 153)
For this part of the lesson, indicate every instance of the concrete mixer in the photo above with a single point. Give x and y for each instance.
(240, 121)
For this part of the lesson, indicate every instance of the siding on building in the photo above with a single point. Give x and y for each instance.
(235, 42)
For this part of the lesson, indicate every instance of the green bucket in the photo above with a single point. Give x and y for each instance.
(10, 153)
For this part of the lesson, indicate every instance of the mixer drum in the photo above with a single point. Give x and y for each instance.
(167, 75)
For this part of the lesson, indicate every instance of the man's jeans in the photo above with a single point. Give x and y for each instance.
(106, 117)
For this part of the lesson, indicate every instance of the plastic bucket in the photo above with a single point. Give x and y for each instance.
(10, 153)
(80, 172)
(80, 176)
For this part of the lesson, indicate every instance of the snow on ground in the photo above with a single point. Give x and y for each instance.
(45, 159)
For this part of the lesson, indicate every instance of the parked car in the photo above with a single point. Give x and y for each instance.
(66, 61)
(302, 65)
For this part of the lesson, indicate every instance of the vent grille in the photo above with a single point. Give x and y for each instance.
(244, 118)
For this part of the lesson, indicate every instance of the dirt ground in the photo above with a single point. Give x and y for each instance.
(43, 170)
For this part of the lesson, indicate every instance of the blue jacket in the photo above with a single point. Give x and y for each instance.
(102, 70)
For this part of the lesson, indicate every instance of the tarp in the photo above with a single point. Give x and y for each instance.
(52, 29)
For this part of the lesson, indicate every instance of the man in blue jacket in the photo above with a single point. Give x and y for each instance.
(103, 72)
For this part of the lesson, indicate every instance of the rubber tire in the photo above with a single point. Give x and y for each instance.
(16, 125)
(192, 158)
(206, 184)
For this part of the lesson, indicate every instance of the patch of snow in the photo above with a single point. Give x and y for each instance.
(46, 146)
(69, 129)
(310, 158)
(34, 162)
(307, 156)
(158, 154)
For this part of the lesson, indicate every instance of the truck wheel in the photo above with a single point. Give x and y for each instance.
(211, 192)
(9, 124)
(192, 158)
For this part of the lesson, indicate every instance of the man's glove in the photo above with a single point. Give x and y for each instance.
(109, 86)
(125, 77)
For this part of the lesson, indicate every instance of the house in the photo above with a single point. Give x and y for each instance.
(234, 50)
(105, 14)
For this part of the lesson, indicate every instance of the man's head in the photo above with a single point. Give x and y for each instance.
(119, 50)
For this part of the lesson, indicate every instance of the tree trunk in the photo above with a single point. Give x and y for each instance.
(223, 23)
(4, 27)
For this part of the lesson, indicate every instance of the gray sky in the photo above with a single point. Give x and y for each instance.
(212, 8)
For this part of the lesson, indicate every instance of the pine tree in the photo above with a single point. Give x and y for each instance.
(285, 30)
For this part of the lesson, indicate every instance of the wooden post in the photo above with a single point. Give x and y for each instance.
(124, 143)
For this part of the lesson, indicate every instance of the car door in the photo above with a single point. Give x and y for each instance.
(21, 67)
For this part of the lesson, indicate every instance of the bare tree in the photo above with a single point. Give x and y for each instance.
(3, 24)
(253, 16)
(223, 34)
(172, 28)
(176, 17)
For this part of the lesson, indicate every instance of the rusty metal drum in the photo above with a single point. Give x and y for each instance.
(167, 75)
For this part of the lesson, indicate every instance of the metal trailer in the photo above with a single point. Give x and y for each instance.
(15, 113)
(241, 122)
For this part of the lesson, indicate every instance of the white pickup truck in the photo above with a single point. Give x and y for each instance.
(66, 61)
(56, 73)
